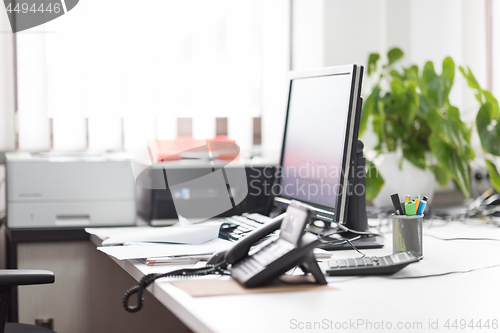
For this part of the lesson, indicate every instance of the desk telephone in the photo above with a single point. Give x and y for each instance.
(275, 257)
(257, 266)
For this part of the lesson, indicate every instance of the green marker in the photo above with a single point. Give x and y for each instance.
(410, 208)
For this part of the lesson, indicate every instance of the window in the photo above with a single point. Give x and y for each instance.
(120, 72)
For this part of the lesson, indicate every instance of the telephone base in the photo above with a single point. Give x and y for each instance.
(310, 265)
(251, 273)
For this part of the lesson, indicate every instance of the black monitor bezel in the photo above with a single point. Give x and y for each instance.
(349, 149)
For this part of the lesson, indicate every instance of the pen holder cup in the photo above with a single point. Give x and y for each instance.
(407, 234)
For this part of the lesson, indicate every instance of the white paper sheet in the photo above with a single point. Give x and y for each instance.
(189, 234)
(104, 233)
(142, 251)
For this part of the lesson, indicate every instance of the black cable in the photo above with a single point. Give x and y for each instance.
(337, 241)
(218, 269)
(347, 241)
(355, 248)
(464, 238)
(358, 233)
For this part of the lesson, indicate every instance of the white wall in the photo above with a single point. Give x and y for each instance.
(397, 25)
(496, 48)
(353, 30)
(423, 29)
(308, 31)
(7, 134)
(275, 66)
(451, 28)
(34, 124)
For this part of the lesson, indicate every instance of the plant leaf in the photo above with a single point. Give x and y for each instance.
(494, 175)
(429, 84)
(436, 88)
(395, 74)
(449, 128)
(423, 107)
(368, 109)
(472, 82)
(454, 164)
(411, 73)
(405, 100)
(442, 176)
(411, 103)
(448, 75)
(489, 132)
(495, 109)
(397, 89)
(372, 63)
(379, 122)
(415, 153)
(394, 55)
(374, 181)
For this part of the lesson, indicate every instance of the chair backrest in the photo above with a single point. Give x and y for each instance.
(10, 278)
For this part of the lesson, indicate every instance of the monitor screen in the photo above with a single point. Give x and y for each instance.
(315, 139)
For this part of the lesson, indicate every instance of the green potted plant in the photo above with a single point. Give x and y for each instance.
(415, 124)
(488, 127)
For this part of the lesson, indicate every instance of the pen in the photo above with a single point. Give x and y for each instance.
(407, 198)
(421, 206)
(417, 202)
(396, 203)
(177, 260)
(410, 208)
(187, 255)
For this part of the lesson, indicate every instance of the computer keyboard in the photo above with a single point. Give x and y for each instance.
(236, 227)
(371, 265)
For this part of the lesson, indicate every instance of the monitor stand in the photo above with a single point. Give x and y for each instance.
(356, 210)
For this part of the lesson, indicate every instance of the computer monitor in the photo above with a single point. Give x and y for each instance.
(320, 140)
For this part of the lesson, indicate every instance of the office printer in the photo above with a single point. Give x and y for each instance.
(160, 206)
(47, 190)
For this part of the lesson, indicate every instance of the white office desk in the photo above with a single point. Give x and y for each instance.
(382, 301)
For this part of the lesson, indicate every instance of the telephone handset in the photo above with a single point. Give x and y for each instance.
(240, 250)
(292, 248)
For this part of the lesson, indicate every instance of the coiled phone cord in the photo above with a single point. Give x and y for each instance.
(218, 269)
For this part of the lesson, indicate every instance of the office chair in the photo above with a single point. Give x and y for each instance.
(10, 278)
